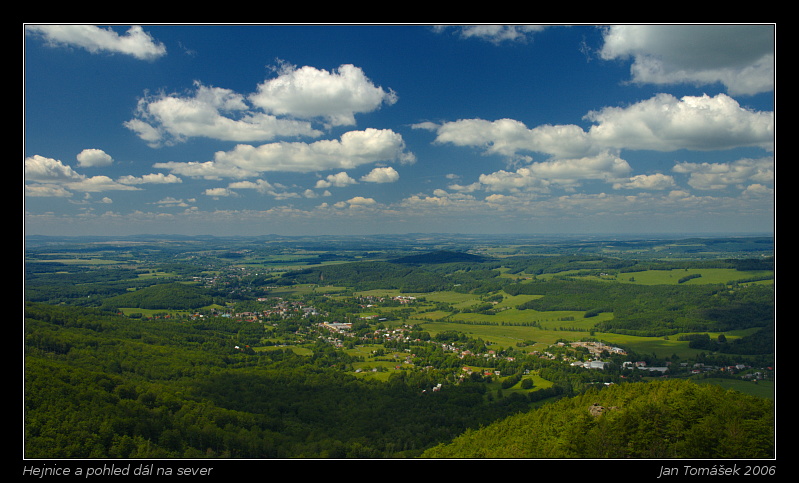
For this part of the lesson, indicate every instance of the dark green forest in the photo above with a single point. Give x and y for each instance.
(669, 419)
(99, 385)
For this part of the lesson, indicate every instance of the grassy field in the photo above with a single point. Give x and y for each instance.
(380, 368)
(668, 277)
(508, 335)
(305, 289)
(153, 312)
(509, 326)
(763, 389)
(88, 261)
(672, 277)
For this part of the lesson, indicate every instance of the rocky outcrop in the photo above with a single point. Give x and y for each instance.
(597, 410)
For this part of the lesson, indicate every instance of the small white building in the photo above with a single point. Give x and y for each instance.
(595, 365)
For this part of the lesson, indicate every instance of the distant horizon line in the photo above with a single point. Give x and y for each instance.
(345, 235)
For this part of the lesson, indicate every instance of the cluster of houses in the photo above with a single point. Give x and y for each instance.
(338, 327)
(282, 309)
(597, 348)
(367, 301)
(290, 309)
(594, 348)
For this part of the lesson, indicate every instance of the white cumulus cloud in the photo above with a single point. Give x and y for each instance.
(666, 123)
(495, 33)
(339, 180)
(209, 112)
(281, 107)
(335, 96)
(661, 123)
(41, 171)
(353, 149)
(90, 158)
(135, 42)
(47, 170)
(381, 175)
(656, 181)
(152, 178)
(564, 173)
(741, 57)
(715, 176)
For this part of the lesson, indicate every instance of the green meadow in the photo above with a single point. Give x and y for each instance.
(706, 276)
(666, 277)
(509, 326)
(510, 335)
(764, 389)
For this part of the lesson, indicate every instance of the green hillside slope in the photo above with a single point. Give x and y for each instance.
(668, 419)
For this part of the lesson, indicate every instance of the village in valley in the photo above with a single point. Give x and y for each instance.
(369, 325)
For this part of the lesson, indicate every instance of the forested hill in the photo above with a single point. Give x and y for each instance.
(99, 385)
(440, 256)
(668, 419)
(416, 273)
(168, 296)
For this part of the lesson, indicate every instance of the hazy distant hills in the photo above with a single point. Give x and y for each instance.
(440, 256)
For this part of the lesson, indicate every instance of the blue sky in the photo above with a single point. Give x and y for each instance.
(362, 129)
